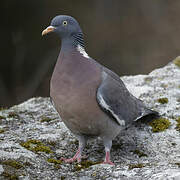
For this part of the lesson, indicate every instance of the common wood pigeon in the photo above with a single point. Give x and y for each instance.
(91, 99)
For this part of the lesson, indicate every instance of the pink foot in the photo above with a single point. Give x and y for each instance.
(108, 162)
(77, 157)
(107, 159)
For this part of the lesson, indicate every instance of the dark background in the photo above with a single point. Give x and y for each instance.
(130, 37)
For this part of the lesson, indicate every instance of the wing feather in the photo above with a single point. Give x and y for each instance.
(115, 99)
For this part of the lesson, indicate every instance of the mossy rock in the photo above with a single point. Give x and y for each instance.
(163, 100)
(160, 124)
(140, 153)
(52, 143)
(2, 117)
(54, 161)
(63, 177)
(3, 108)
(13, 115)
(10, 176)
(36, 146)
(13, 163)
(178, 124)
(178, 164)
(2, 130)
(84, 165)
(177, 61)
(45, 119)
(140, 165)
(148, 79)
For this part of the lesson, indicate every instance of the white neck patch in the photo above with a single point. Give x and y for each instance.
(82, 51)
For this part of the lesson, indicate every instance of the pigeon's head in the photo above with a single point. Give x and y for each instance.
(63, 26)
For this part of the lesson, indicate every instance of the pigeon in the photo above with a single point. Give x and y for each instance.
(91, 100)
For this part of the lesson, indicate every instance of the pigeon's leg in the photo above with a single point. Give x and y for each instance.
(77, 156)
(107, 145)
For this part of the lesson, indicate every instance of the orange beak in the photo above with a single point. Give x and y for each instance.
(48, 30)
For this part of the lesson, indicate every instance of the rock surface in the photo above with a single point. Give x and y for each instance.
(137, 152)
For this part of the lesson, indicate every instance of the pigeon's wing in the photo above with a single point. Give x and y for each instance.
(114, 98)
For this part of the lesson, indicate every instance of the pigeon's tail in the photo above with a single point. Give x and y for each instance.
(150, 115)
(155, 113)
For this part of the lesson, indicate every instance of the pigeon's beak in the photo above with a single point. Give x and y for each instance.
(48, 30)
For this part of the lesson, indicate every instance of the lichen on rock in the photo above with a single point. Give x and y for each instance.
(140, 153)
(177, 61)
(45, 119)
(2, 117)
(2, 130)
(9, 176)
(54, 161)
(84, 165)
(12, 163)
(132, 166)
(163, 100)
(36, 138)
(36, 146)
(160, 124)
(13, 114)
(178, 124)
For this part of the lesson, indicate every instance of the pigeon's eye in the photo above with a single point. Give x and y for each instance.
(64, 23)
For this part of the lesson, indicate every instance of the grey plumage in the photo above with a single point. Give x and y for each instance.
(91, 100)
(120, 103)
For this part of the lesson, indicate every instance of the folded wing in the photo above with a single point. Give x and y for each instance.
(115, 99)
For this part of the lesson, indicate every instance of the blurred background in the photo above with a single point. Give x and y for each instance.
(129, 37)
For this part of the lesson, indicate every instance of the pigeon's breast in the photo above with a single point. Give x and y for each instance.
(73, 89)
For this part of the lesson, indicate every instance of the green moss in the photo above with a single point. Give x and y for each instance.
(178, 164)
(163, 100)
(43, 148)
(54, 161)
(52, 143)
(160, 124)
(45, 119)
(36, 146)
(13, 115)
(2, 117)
(132, 166)
(3, 108)
(12, 163)
(148, 79)
(177, 61)
(84, 165)
(2, 130)
(178, 124)
(10, 176)
(29, 143)
(178, 99)
(139, 153)
(164, 85)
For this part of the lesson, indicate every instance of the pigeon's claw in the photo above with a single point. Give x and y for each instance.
(107, 159)
(108, 162)
(77, 157)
